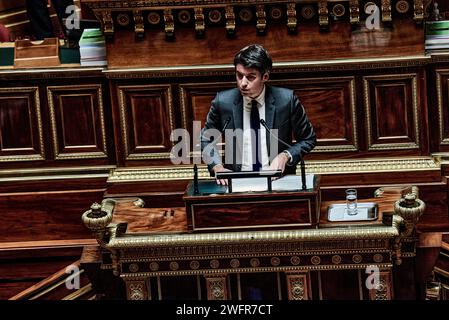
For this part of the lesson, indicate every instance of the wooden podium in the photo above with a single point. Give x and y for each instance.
(213, 208)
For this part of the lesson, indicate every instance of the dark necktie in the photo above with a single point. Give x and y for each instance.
(255, 138)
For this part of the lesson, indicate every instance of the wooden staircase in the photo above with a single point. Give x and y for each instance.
(69, 283)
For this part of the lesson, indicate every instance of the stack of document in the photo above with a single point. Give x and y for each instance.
(92, 48)
(437, 36)
(286, 183)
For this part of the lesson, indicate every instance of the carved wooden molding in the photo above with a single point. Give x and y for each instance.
(323, 14)
(139, 27)
(354, 11)
(382, 290)
(169, 23)
(292, 22)
(297, 285)
(386, 10)
(261, 19)
(230, 20)
(199, 22)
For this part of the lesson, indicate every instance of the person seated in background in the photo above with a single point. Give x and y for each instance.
(39, 16)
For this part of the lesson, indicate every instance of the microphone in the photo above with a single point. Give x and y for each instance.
(302, 165)
(226, 124)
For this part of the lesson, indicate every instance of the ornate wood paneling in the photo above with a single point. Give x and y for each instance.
(77, 121)
(196, 101)
(392, 111)
(331, 108)
(21, 133)
(442, 89)
(146, 121)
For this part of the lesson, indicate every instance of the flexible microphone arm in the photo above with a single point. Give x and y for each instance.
(302, 165)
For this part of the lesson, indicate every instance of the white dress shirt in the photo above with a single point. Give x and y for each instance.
(247, 160)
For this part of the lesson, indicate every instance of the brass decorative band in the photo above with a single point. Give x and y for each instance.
(278, 236)
(313, 166)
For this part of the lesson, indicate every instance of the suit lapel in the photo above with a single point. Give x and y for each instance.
(237, 113)
(270, 112)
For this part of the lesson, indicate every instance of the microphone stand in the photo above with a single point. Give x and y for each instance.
(302, 165)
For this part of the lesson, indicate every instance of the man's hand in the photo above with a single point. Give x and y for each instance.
(279, 162)
(220, 168)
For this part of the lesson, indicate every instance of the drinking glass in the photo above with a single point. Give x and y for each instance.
(351, 201)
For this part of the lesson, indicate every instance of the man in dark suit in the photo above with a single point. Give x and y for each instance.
(238, 113)
(40, 17)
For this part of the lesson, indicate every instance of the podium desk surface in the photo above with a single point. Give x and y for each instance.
(173, 220)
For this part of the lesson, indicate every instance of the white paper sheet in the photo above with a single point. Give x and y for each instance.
(286, 183)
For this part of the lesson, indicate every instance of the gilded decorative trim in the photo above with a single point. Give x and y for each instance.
(418, 7)
(76, 155)
(354, 16)
(123, 120)
(439, 89)
(139, 27)
(55, 173)
(415, 106)
(278, 67)
(261, 23)
(292, 22)
(169, 23)
(230, 20)
(199, 21)
(386, 10)
(352, 166)
(297, 286)
(383, 291)
(31, 157)
(141, 275)
(323, 14)
(216, 287)
(279, 236)
(294, 250)
(136, 290)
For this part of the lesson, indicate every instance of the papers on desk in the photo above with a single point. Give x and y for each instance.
(286, 183)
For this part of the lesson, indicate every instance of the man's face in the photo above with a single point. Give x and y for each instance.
(250, 81)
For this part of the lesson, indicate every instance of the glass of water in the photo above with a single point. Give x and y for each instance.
(351, 201)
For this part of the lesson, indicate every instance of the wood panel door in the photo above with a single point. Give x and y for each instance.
(78, 129)
(146, 117)
(392, 112)
(21, 133)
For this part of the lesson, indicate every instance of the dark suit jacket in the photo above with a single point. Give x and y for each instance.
(283, 111)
